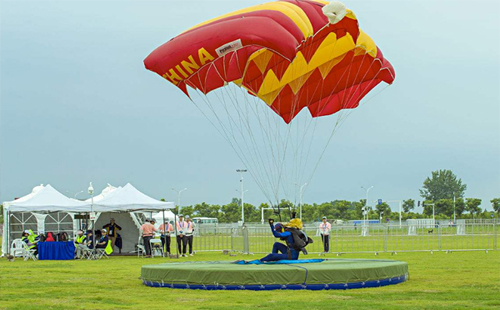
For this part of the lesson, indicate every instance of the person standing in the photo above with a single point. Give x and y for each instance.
(181, 235)
(189, 234)
(166, 229)
(147, 232)
(112, 229)
(324, 230)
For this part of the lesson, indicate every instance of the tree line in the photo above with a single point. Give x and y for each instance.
(442, 190)
(343, 210)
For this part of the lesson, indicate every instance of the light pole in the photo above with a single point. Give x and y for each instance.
(241, 171)
(366, 201)
(92, 215)
(454, 218)
(179, 198)
(300, 201)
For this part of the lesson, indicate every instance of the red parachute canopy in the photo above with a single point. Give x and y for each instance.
(287, 53)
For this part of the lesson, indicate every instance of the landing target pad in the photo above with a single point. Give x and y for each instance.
(325, 274)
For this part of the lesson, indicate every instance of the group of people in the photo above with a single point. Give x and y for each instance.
(85, 241)
(184, 230)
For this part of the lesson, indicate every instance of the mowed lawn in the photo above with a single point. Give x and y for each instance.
(456, 280)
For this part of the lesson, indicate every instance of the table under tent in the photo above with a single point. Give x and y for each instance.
(47, 210)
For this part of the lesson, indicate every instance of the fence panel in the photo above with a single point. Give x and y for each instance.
(373, 238)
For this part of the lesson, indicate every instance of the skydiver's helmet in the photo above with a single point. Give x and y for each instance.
(278, 227)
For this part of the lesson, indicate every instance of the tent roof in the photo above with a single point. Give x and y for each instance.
(128, 198)
(105, 192)
(45, 199)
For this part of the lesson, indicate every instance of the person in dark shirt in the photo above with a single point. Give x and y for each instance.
(112, 229)
(90, 238)
(103, 241)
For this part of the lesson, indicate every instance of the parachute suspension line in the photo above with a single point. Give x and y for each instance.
(223, 130)
(281, 159)
(338, 122)
(258, 152)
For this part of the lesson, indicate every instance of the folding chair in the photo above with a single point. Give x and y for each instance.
(101, 252)
(156, 248)
(29, 253)
(141, 250)
(88, 254)
(17, 248)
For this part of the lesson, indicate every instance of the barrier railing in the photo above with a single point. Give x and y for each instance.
(357, 239)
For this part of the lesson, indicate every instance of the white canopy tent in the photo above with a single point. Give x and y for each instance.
(127, 206)
(45, 203)
(43, 208)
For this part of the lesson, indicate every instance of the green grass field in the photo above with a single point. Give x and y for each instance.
(456, 280)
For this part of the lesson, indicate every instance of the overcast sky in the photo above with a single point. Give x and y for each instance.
(77, 104)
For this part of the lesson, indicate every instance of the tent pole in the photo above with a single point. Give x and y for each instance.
(164, 233)
(8, 231)
(176, 243)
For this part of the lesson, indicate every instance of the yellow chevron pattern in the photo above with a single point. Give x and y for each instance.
(330, 52)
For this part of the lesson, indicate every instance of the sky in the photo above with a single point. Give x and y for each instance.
(77, 104)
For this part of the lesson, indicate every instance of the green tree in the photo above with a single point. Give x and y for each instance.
(443, 184)
(472, 205)
(231, 212)
(408, 205)
(383, 208)
(495, 203)
(444, 206)
(427, 208)
(459, 206)
(358, 208)
(341, 206)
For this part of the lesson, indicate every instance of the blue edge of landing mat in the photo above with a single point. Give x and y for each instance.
(284, 261)
(313, 287)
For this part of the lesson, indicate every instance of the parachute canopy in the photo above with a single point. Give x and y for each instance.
(292, 54)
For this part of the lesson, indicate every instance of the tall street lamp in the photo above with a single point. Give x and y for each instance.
(241, 171)
(179, 198)
(300, 201)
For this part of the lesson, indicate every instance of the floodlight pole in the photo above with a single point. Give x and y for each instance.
(179, 198)
(366, 203)
(454, 217)
(300, 201)
(241, 171)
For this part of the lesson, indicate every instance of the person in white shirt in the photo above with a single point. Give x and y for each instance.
(324, 230)
(181, 226)
(189, 234)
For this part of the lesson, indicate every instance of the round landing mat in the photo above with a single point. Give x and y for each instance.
(295, 275)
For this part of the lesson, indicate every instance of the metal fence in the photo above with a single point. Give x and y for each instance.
(356, 239)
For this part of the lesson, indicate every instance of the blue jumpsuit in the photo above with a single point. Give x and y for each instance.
(280, 247)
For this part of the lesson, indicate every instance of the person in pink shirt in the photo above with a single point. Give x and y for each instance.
(166, 229)
(181, 235)
(324, 230)
(147, 230)
(189, 234)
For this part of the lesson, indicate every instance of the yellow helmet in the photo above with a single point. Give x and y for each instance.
(294, 223)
